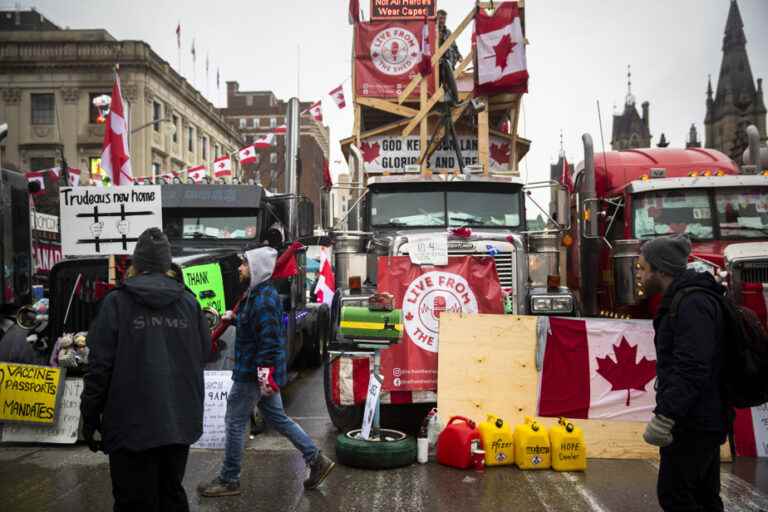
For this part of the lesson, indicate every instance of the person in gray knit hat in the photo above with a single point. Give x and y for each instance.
(691, 418)
(152, 253)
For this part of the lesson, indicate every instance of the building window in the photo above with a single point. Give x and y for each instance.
(174, 135)
(41, 163)
(190, 139)
(43, 108)
(249, 100)
(216, 151)
(93, 110)
(94, 166)
(255, 122)
(249, 139)
(273, 158)
(157, 114)
(273, 122)
(243, 122)
(155, 168)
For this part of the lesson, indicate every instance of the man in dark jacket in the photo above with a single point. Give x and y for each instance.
(691, 419)
(144, 388)
(259, 373)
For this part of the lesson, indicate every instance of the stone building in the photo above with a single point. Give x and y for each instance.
(49, 77)
(629, 129)
(256, 113)
(737, 102)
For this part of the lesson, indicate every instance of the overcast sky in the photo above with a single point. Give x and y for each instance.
(578, 53)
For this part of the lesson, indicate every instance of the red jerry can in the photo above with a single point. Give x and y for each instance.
(456, 443)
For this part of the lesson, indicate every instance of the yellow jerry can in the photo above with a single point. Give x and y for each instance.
(569, 452)
(532, 445)
(498, 441)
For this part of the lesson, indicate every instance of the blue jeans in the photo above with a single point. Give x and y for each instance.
(240, 401)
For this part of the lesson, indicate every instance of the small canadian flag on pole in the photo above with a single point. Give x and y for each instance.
(197, 173)
(326, 282)
(316, 111)
(281, 130)
(74, 177)
(39, 178)
(338, 96)
(247, 155)
(425, 65)
(222, 167)
(265, 141)
(115, 159)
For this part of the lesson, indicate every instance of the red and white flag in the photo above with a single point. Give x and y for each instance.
(327, 179)
(425, 64)
(39, 178)
(247, 155)
(354, 12)
(501, 65)
(281, 130)
(338, 96)
(265, 141)
(316, 111)
(74, 177)
(566, 179)
(197, 173)
(326, 282)
(598, 368)
(222, 167)
(115, 159)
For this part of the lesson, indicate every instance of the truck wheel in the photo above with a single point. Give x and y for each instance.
(316, 343)
(394, 450)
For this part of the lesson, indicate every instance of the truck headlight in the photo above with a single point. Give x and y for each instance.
(551, 303)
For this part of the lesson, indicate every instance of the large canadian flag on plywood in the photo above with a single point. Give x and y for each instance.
(115, 159)
(500, 65)
(597, 368)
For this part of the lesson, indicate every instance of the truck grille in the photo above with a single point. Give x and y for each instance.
(505, 265)
(754, 272)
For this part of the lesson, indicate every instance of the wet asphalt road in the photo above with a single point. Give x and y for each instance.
(40, 478)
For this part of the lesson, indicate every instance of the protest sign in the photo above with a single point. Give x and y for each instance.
(29, 393)
(217, 384)
(64, 431)
(371, 401)
(207, 284)
(107, 220)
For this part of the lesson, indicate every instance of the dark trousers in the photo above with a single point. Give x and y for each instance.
(149, 480)
(689, 473)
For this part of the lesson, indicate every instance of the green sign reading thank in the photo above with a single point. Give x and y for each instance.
(206, 282)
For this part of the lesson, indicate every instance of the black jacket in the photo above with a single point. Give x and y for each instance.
(148, 345)
(689, 357)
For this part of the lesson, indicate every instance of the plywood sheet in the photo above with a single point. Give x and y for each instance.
(487, 365)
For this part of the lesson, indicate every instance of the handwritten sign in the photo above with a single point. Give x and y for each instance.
(374, 390)
(67, 425)
(29, 393)
(107, 220)
(402, 9)
(760, 427)
(206, 282)
(429, 249)
(217, 385)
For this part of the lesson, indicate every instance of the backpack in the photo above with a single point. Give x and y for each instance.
(745, 368)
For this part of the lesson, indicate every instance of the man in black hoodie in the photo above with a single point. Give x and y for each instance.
(144, 388)
(691, 419)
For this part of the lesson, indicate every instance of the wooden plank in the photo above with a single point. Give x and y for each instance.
(388, 106)
(514, 151)
(503, 135)
(487, 366)
(423, 112)
(482, 138)
(356, 127)
(424, 125)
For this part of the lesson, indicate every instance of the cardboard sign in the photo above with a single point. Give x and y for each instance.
(393, 153)
(67, 425)
(431, 249)
(206, 282)
(402, 9)
(217, 385)
(374, 390)
(107, 220)
(43, 222)
(29, 393)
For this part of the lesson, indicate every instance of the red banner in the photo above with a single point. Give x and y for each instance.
(387, 56)
(46, 255)
(468, 284)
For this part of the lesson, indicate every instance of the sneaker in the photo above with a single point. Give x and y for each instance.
(218, 487)
(319, 471)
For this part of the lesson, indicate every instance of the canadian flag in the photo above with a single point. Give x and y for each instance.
(326, 282)
(501, 65)
(338, 96)
(316, 111)
(286, 266)
(425, 65)
(197, 173)
(281, 130)
(598, 368)
(265, 141)
(247, 155)
(222, 167)
(74, 177)
(115, 159)
(39, 178)
(566, 179)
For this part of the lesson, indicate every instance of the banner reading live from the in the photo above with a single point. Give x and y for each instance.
(468, 284)
(387, 55)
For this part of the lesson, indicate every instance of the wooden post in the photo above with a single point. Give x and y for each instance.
(513, 132)
(356, 128)
(482, 137)
(423, 126)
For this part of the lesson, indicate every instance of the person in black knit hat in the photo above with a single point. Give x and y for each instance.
(144, 389)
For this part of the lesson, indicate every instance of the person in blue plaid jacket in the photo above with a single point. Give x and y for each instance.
(258, 375)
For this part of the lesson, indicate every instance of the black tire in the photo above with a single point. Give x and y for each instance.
(395, 451)
(315, 333)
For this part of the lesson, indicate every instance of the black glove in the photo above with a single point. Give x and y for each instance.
(92, 437)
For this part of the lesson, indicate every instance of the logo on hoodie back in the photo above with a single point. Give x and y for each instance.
(142, 322)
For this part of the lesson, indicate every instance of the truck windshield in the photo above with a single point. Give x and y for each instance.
(742, 213)
(673, 211)
(451, 208)
(226, 228)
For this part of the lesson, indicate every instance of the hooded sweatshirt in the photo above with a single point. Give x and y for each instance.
(260, 339)
(144, 387)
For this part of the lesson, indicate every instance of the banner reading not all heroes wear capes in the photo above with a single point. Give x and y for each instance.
(467, 284)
